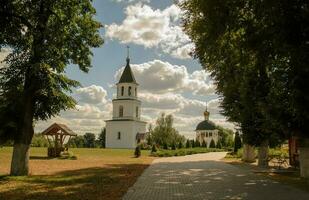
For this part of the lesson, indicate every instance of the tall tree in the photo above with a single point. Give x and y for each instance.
(257, 53)
(45, 36)
(102, 138)
(89, 140)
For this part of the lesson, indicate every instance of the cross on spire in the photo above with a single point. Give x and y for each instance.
(128, 53)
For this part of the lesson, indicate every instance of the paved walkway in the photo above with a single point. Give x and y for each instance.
(203, 176)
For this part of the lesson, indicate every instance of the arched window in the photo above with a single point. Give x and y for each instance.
(129, 91)
(135, 92)
(210, 134)
(136, 112)
(122, 90)
(120, 111)
(119, 136)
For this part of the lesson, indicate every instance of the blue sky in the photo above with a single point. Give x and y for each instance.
(170, 80)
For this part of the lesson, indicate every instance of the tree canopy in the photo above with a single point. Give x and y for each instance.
(44, 36)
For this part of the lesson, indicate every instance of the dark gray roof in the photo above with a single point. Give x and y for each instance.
(127, 75)
(206, 125)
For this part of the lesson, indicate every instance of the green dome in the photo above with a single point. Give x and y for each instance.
(206, 125)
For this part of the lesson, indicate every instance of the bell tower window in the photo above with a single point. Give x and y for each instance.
(122, 90)
(135, 92)
(129, 91)
(119, 136)
(120, 111)
(136, 111)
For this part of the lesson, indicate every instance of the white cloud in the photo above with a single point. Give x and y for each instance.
(150, 27)
(162, 77)
(93, 94)
(131, 1)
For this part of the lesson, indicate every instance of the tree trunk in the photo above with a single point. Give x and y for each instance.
(304, 158)
(20, 157)
(20, 160)
(248, 153)
(263, 154)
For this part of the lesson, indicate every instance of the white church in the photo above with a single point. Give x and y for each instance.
(125, 129)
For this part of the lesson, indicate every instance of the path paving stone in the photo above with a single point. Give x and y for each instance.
(204, 176)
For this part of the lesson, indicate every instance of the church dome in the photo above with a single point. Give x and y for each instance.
(205, 125)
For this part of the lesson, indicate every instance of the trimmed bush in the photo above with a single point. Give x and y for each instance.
(237, 142)
(192, 143)
(204, 144)
(183, 152)
(212, 144)
(188, 144)
(219, 146)
(173, 146)
(197, 143)
(154, 148)
(137, 151)
(180, 145)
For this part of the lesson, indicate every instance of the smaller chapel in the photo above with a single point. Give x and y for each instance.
(125, 129)
(206, 130)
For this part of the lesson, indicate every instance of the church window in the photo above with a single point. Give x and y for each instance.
(122, 90)
(210, 134)
(136, 112)
(129, 91)
(206, 134)
(120, 111)
(135, 92)
(119, 136)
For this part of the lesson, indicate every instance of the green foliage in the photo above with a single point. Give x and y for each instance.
(180, 145)
(165, 146)
(183, 152)
(164, 133)
(76, 142)
(197, 143)
(225, 136)
(212, 144)
(137, 152)
(173, 146)
(102, 138)
(89, 140)
(260, 75)
(219, 145)
(192, 143)
(237, 142)
(204, 144)
(153, 148)
(39, 140)
(188, 144)
(43, 37)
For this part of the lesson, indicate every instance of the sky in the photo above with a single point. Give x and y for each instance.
(170, 80)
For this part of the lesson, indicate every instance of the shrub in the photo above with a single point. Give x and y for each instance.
(192, 143)
(188, 144)
(219, 146)
(204, 144)
(180, 145)
(173, 146)
(237, 142)
(212, 144)
(154, 148)
(197, 143)
(165, 146)
(137, 151)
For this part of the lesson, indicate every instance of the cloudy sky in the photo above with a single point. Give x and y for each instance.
(170, 80)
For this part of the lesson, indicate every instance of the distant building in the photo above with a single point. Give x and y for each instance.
(126, 129)
(206, 130)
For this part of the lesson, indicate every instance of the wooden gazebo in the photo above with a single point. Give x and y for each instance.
(56, 135)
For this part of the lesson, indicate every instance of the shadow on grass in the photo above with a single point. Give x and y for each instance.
(40, 158)
(97, 183)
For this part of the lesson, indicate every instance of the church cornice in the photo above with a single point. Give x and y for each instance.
(126, 99)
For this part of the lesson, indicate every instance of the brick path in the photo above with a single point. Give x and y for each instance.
(203, 176)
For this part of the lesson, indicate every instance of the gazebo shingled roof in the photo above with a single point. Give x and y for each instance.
(54, 129)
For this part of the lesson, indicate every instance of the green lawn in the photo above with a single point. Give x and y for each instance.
(96, 174)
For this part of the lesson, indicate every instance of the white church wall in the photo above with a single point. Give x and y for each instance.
(129, 108)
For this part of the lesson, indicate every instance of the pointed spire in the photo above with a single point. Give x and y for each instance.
(206, 113)
(127, 74)
(128, 54)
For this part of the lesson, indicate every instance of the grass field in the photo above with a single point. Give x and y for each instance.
(96, 174)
